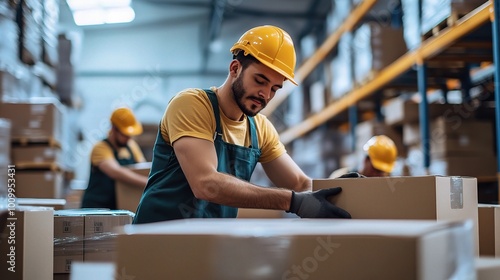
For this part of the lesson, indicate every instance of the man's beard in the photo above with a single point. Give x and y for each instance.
(121, 144)
(239, 94)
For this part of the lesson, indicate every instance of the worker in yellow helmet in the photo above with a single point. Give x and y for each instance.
(210, 140)
(381, 154)
(108, 158)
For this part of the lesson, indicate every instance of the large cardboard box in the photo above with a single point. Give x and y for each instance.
(413, 198)
(39, 184)
(26, 244)
(487, 268)
(36, 120)
(128, 196)
(296, 249)
(436, 11)
(489, 230)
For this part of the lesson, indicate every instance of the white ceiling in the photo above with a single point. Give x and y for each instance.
(223, 20)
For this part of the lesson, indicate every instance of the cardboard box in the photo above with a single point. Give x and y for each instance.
(39, 184)
(484, 166)
(85, 235)
(371, 51)
(68, 241)
(37, 120)
(399, 111)
(489, 230)
(413, 198)
(26, 245)
(450, 137)
(436, 11)
(296, 249)
(247, 213)
(36, 156)
(54, 203)
(100, 234)
(128, 196)
(487, 268)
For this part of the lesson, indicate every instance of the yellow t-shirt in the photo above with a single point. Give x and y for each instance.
(102, 151)
(190, 113)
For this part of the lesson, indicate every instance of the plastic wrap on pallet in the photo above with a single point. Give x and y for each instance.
(86, 235)
(341, 68)
(50, 32)
(435, 12)
(30, 20)
(371, 51)
(340, 11)
(411, 23)
(9, 43)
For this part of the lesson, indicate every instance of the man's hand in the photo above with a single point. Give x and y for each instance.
(352, 175)
(316, 205)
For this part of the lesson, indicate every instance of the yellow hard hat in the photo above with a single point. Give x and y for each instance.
(125, 121)
(270, 45)
(382, 152)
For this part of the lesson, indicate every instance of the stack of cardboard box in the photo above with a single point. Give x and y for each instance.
(36, 146)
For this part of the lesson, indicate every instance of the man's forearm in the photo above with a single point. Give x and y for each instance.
(228, 190)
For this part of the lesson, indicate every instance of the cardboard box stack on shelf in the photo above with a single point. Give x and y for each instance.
(85, 235)
(36, 143)
(372, 53)
(436, 12)
(460, 145)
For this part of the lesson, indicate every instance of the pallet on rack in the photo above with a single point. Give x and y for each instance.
(26, 141)
(52, 166)
(448, 22)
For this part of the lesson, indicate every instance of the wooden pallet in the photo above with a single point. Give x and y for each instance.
(52, 166)
(369, 77)
(26, 141)
(448, 22)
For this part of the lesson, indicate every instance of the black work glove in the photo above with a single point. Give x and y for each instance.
(316, 205)
(352, 175)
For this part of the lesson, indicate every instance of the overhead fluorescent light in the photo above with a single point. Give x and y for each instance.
(119, 15)
(93, 12)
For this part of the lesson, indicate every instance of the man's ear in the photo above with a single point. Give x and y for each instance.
(234, 67)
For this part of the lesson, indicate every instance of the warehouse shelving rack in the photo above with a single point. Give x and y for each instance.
(417, 58)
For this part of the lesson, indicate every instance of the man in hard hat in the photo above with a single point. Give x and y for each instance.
(381, 154)
(108, 158)
(210, 141)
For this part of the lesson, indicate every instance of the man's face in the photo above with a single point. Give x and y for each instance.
(121, 139)
(254, 87)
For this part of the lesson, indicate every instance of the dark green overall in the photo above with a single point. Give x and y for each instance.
(101, 192)
(168, 195)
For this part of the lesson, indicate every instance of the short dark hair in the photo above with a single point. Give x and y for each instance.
(245, 60)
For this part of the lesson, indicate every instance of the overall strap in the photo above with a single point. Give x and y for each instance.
(215, 105)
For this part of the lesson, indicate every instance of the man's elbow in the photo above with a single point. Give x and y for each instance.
(204, 189)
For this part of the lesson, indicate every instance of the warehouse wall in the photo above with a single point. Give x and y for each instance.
(141, 68)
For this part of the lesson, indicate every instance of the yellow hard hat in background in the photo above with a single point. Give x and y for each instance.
(270, 45)
(125, 121)
(382, 152)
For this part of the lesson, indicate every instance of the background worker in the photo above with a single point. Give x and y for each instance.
(108, 159)
(210, 141)
(381, 154)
